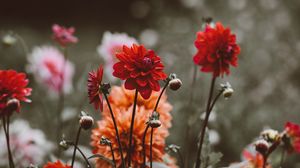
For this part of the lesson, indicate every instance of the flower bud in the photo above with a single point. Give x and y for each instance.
(227, 90)
(175, 84)
(9, 40)
(270, 135)
(12, 105)
(105, 141)
(174, 148)
(154, 123)
(262, 146)
(64, 145)
(86, 122)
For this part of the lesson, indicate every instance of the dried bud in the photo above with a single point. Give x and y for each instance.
(86, 122)
(262, 146)
(174, 148)
(12, 105)
(175, 84)
(227, 90)
(9, 40)
(105, 141)
(154, 123)
(270, 135)
(64, 145)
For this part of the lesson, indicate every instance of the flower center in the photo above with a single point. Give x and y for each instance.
(147, 63)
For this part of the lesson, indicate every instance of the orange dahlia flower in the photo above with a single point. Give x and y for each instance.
(57, 164)
(121, 102)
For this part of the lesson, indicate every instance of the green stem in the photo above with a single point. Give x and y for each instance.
(75, 146)
(207, 113)
(131, 128)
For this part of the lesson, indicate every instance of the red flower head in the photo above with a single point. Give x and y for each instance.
(57, 164)
(64, 36)
(217, 50)
(13, 90)
(94, 84)
(293, 134)
(141, 68)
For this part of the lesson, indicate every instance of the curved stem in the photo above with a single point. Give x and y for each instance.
(6, 131)
(207, 113)
(84, 157)
(113, 155)
(151, 138)
(131, 128)
(215, 100)
(144, 147)
(75, 146)
(161, 93)
(116, 129)
(181, 158)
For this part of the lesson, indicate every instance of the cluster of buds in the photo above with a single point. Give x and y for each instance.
(86, 122)
(105, 141)
(174, 82)
(227, 90)
(270, 135)
(269, 141)
(154, 121)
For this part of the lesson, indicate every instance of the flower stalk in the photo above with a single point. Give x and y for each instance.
(105, 92)
(75, 146)
(6, 131)
(131, 128)
(207, 113)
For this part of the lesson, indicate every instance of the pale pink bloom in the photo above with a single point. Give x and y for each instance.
(111, 44)
(51, 69)
(28, 146)
(64, 36)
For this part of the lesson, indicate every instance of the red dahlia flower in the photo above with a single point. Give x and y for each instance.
(64, 36)
(141, 68)
(94, 91)
(57, 164)
(13, 90)
(293, 133)
(217, 50)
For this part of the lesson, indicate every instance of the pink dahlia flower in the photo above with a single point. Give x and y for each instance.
(112, 43)
(50, 69)
(64, 36)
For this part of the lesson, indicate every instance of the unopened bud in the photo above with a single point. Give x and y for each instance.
(175, 84)
(13, 105)
(154, 123)
(105, 141)
(227, 90)
(9, 40)
(64, 145)
(270, 135)
(86, 122)
(262, 146)
(174, 148)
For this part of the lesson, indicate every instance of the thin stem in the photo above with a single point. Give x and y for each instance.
(75, 146)
(131, 128)
(113, 155)
(116, 129)
(282, 157)
(207, 113)
(144, 147)
(215, 100)
(6, 131)
(265, 161)
(84, 157)
(161, 93)
(151, 138)
(23, 44)
(181, 158)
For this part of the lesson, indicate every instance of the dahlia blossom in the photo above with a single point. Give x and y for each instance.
(13, 87)
(57, 164)
(112, 43)
(94, 91)
(51, 69)
(121, 103)
(141, 68)
(293, 134)
(217, 50)
(29, 146)
(64, 36)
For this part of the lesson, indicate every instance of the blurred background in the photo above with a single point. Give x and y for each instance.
(266, 83)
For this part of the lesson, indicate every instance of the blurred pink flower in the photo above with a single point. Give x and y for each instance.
(112, 43)
(64, 36)
(50, 69)
(29, 146)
